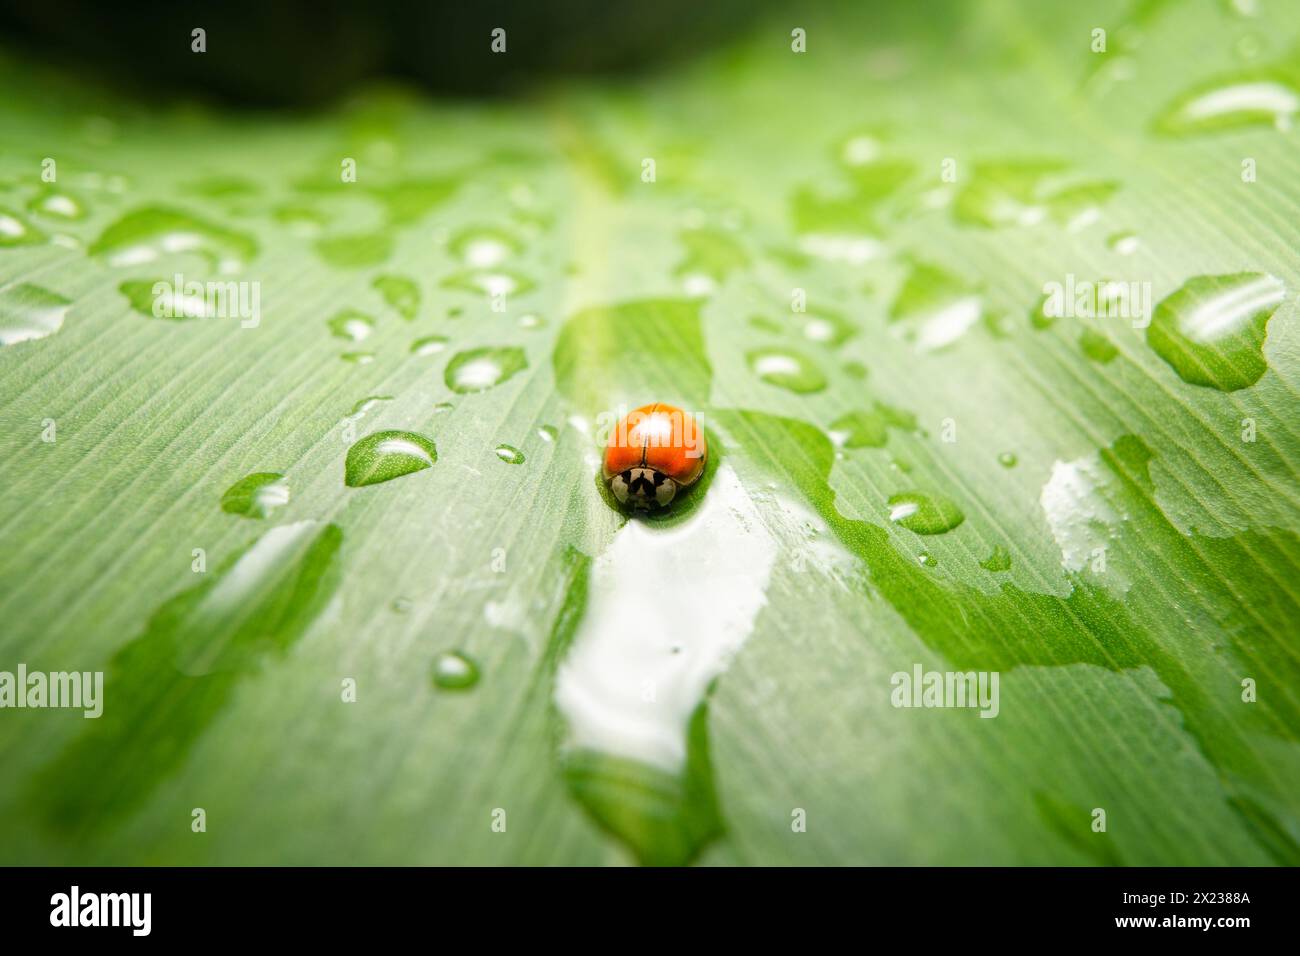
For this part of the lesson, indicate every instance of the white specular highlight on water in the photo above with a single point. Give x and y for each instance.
(666, 612)
(1077, 514)
(1223, 314)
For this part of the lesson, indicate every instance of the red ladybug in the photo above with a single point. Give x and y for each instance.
(652, 453)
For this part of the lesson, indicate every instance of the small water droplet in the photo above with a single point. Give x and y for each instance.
(547, 433)
(365, 404)
(400, 293)
(1212, 329)
(454, 671)
(493, 283)
(351, 325)
(481, 247)
(385, 455)
(924, 514)
(1124, 243)
(926, 559)
(256, 495)
(358, 358)
(442, 407)
(510, 454)
(57, 205)
(1097, 347)
(531, 321)
(14, 231)
(1007, 459)
(429, 345)
(30, 312)
(786, 369)
(999, 560)
(477, 370)
(937, 306)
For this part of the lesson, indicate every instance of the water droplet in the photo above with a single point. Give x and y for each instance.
(351, 325)
(494, 283)
(358, 358)
(256, 495)
(868, 429)
(786, 369)
(365, 404)
(827, 328)
(938, 307)
(510, 454)
(1024, 192)
(454, 671)
(999, 560)
(429, 345)
(15, 232)
(147, 234)
(1124, 243)
(302, 220)
(924, 514)
(401, 294)
(926, 559)
(442, 407)
(531, 321)
(30, 312)
(480, 369)
(385, 455)
(1262, 98)
(1212, 329)
(1097, 347)
(483, 247)
(164, 300)
(57, 205)
(855, 370)
(1007, 459)
(547, 433)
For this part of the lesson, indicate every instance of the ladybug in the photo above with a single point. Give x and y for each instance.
(653, 452)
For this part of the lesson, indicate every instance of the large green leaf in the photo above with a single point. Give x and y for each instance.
(918, 458)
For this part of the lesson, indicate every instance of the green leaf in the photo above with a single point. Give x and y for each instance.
(994, 342)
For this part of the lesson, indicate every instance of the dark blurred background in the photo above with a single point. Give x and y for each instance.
(302, 52)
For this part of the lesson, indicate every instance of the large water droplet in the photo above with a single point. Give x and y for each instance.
(454, 671)
(30, 312)
(147, 234)
(256, 495)
(386, 455)
(401, 294)
(479, 369)
(351, 325)
(1212, 329)
(924, 514)
(1266, 98)
(786, 369)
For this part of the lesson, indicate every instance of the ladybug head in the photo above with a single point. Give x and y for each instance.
(642, 488)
